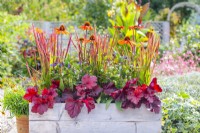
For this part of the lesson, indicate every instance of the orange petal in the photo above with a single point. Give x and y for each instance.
(121, 42)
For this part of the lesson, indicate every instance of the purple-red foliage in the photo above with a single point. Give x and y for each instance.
(133, 95)
(42, 102)
(85, 93)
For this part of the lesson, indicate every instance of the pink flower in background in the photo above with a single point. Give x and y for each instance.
(176, 63)
(89, 81)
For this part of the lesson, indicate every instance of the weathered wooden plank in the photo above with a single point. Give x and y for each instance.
(94, 127)
(112, 114)
(51, 114)
(97, 127)
(43, 127)
(99, 120)
(149, 127)
(98, 114)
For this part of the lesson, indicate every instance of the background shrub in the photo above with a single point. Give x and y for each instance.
(12, 28)
(181, 106)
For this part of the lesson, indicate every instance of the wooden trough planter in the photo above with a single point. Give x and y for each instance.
(99, 120)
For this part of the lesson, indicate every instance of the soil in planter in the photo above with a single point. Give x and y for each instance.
(22, 124)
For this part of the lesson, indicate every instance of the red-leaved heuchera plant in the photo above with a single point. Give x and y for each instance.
(85, 93)
(42, 102)
(132, 95)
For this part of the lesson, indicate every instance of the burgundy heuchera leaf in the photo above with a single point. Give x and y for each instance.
(130, 83)
(90, 104)
(31, 94)
(55, 84)
(135, 96)
(81, 90)
(156, 105)
(40, 105)
(73, 107)
(119, 95)
(155, 86)
(50, 95)
(94, 92)
(65, 94)
(109, 88)
(89, 81)
(42, 102)
(88, 87)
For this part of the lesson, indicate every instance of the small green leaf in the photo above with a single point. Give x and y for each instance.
(112, 22)
(99, 100)
(61, 84)
(118, 105)
(184, 95)
(108, 102)
(140, 33)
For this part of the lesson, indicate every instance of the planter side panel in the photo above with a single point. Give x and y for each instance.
(97, 127)
(51, 115)
(112, 114)
(99, 120)
(43, 127)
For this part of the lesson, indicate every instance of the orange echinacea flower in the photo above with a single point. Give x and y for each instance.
(83, 40)
(92, 38)
(136, 27)
(119, 27)
(61, 30)
(126, 40)
(86, 26)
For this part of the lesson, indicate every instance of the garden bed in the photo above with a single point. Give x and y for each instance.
(100, 120)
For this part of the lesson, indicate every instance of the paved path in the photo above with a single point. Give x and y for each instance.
(7, 125)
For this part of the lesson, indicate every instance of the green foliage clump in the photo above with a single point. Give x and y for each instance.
(60, 10)
(181, 114)
(189, 37)
(11, 29)
(14, 102)
(181, 106)
(51, 10)
(96, 11)
(188, 83)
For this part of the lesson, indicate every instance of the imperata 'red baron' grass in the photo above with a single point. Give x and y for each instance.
(101, 69)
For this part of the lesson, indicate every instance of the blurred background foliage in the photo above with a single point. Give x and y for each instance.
(91, 10)
(12, 28)
(15, 13)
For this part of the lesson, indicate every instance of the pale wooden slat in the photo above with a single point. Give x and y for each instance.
(112, 114)
(149, 127)
(98, 114)
(97, 127)
(43, 127)
(51, 114)
(81, 127)
(94, 127)
(99, 120)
